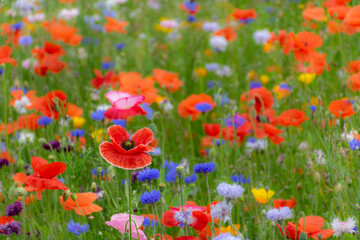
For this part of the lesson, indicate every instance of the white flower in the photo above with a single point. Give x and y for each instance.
(279, 214)
(222, 211)
(224, 71)
(82, 53)
(110, 3)
(25, 137)
(68, 14)
(261, 36)
(38, 17)
(20, 105)
(303, 146)
(154, 4)
(320, 157)
(169, 23)
(219, 43)
(343, 227)
(103, 107)
(210, 26)
(349, 136)
(255, 144)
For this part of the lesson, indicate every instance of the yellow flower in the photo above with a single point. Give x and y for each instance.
(261, 195)
(99, 135)
(306, 78)
(267, 47)
(264, 78)
(251, 74)
(230, 229)
(200, 72)
(78, 122)
(301, 6)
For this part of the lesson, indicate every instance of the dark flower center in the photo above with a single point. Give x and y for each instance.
(127, 145)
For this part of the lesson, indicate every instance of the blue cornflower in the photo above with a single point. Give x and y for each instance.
(77, 228)
(77, 133)
(109, 13)
(224, 99)
(120, 122)
(313, 108)
(236, 120)
(230, 191)
(98, 115)
(170, 168)
(240, 179)
(190, 179)
(107, 65)
(254, 84)
(191, 18)
(191, 5)
(43, 121)
(1, 71)
(354, 144)
(203, 107)
(246, 21)
(147, 222)
(204, 168)
(26, 40)
(226, 236)
(148, 174)
(149, 111)
(150, 197)
(17, 26)
(211, 67)
(120, 46)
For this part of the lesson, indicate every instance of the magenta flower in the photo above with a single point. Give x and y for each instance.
(118, 221)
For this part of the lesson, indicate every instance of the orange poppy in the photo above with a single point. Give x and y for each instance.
(352, 17)
(291, 117)
(341, 108)
(303, 45)
(60, 31)
(18, 94)
(109, 79)
(241, 132)
(6, 155)
(334, 3)
(113, 25)
(353, 82)
(270, 131)
(334, 27)
(278, 203)
(318, 64)
(168, 80)
(133, 83)
(243, 14)
(45, 173)
(354, 66)
(338, 12)
(84, 201)
(52, 104)
(5, 52)
(29, 121)
(314, 13)
(187, 107)
(227, 32)
(72, 110)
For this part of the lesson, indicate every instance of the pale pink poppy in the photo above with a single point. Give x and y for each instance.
(123, 105)
(118, 221)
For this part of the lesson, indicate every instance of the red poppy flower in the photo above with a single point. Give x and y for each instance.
(244, 14)
(278, 203)
(212, 129)
(126, 153)
(312, 228)
(187, 238)
(270, 131)
(291, 117)
(263, 99)
(113, 25)
(4, 220)
(199, 220)
(29, 121)
(341, 108)
(84, 201)
(5, 52)
(354, 66)
(44, 175)
(318, 64)
(314, 13)
(353, 82)
(60, 31)
(52, 104)
(48, 59)
(228, 33)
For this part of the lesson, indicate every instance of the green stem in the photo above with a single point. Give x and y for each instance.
(129, 182)
(208, 193)
(182, 202)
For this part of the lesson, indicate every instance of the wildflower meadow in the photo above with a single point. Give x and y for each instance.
(180, 119)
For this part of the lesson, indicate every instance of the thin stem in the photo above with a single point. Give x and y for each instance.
(154, 227)
(208, 193)
(182, 202)
(129, 182)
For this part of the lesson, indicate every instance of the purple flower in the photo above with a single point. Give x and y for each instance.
(52, 145)
(10, 228)
(203, 107)
(4, 162)
(150, 197)
(204, 168)
(14, 209)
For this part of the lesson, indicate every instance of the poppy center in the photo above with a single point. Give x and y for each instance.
(127, 145)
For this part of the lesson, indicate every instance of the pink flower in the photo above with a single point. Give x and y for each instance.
(123, 105)
(118, 221)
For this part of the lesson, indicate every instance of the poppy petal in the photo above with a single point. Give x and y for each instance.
(51, 170)
(143, 136)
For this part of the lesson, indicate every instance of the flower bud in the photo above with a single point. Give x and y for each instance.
(299, 186)
(317, 178)
(320, 237)
(263, 212)
(74, 197)
(93, 187)
(12, 192)
(20, 191)
(338, 188)
(66, 195)
(303, 236)
(162, 187)
(212, 154)
(111, 172)
(357, 207)
(180, 170)
(42, 141)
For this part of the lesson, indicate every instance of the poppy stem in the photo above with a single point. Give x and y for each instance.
(154, 227)
(182, 201)
(129, 182)
(208, 193)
